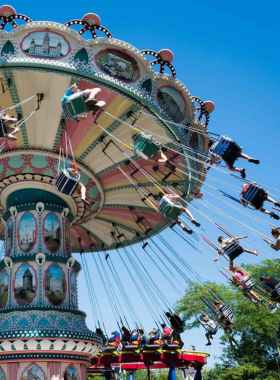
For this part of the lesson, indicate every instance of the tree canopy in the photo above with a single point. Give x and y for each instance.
(252, 354)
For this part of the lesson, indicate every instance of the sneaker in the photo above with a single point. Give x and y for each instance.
(256, 252)
(170, 166)
(277, 204)
(208, 344)
(90, 101)
(187, 230)
(211, 337)
(274, 216)
(254, 161)
(196, 223)
(242, 173)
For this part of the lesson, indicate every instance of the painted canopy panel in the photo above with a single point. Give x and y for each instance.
(133, 92)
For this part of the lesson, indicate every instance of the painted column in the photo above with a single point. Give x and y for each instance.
(12, 371)
(54, 369)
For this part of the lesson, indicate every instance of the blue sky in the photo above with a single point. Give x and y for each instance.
(226, 52)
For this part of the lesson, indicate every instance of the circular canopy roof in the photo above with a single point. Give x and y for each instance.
(46, 57)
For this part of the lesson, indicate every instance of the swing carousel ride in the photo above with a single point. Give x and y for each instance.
(100, 170)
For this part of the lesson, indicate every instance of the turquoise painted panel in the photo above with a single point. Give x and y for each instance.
(82, 56)
(8, 48)
(16, 162)
(44, 323)
(14, 318)
(23, 323)
(147, 85)
(5, 324)
(39, 162)
(53, 317)
(63, 323)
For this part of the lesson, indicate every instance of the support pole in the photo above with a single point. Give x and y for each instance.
(131, 375)
(172, 373)
(198, 375)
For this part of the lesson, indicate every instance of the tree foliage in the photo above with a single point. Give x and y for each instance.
(255, 330)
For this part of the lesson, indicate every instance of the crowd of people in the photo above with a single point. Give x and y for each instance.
(163, 336)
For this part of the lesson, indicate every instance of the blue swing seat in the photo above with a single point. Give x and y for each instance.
(65, 183)
(254, 195)
(227, 149)
(233, 250)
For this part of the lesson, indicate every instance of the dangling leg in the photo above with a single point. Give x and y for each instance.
(83, 192)
(183, 227)
(10, 133)
(253, 160)
(163, 159)
(254, 252)
(93, 93)
(233, 169)
(187, 212)
(271, 213)
(269, 199)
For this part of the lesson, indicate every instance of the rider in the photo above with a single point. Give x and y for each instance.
(81, 189)
(275, 232)
(166, 332)
(162, 158)
(101, 334)
(270, 285)
(210, 325)
(91, 104)
(226, 322)
(258, 203)
(174, 197)
(143, 337)
(235, 252)
(153, 335)
(8, 123)
(229, 161)
(238, 275)
(125, 334)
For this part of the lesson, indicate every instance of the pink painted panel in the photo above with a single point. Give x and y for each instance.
(122, 213)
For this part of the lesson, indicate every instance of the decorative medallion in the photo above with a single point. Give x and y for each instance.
(52, 232)
(45, 44)
(33, 372)
(118, 64)
(55, 284)
(172, 103)
(27, 232)
(71, 373)
(25, 284)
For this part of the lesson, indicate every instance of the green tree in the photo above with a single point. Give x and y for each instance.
(255, 331)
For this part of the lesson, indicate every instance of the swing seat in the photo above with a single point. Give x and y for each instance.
(254, 195)
(233, 250)
(227, 149)
(169, 210)
(277, 289)
(66, 184)
(248, 282)
(3, 129)
(226, 311)
(75, 107)
(145, 146)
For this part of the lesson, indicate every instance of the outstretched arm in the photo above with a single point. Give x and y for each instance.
(219, 254)
(241, 237)
(174, 196)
